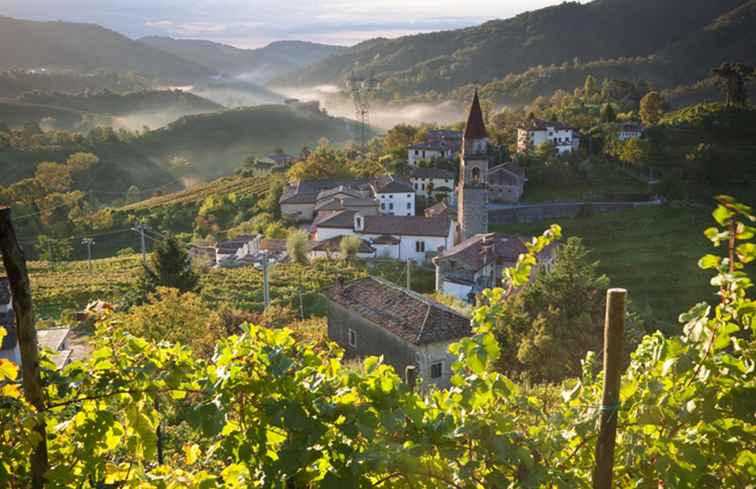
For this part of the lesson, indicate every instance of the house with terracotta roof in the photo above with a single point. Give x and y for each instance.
(374, 317)
(477, 263)
(403, 238)
(535, 132)
(303, 200)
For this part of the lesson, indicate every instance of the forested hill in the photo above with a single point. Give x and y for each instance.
(29, 45)
(215, 144)
(606, 29)
(259, 65)
(109, 102)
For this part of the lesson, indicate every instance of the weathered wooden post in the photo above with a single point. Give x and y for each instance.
(614, 329)
(410, 376)
(15, 268)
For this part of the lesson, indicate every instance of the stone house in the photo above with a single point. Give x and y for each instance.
(506, 182)
(477, 263)
(372, 317)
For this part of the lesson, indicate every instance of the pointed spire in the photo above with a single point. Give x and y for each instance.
(475, 128)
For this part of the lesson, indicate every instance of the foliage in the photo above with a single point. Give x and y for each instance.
(349, 246)
(172, 316)
(53, 250)
(652, 108)
(545, 329)
(731, 78)
(170, 266)
(268, 410)
(296, 246)
(325, 162)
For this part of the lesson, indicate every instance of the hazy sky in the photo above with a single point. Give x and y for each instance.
(252, 23)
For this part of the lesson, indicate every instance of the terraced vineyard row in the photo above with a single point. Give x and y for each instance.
(224, 186)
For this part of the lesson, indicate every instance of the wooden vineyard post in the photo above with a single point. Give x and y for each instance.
(614, 328)
(410, 376)
(15, 267)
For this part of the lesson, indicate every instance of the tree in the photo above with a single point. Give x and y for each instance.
(271, 201)
(547, 328)
(80, 162)
(275, 230)
(652, 108)
(731, 78)
(399, 137)
(176, 317)
(590, 86)
(349, 246)
(323, 163)
(53, 250)
(170, 266)
(635, 151)
(608, 113)
(53, 177)
(296, 246)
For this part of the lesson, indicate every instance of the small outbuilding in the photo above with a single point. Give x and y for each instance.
(373, 317)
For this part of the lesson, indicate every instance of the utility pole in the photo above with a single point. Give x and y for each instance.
(266, 285)
(139, 228)
(88, 242)
(409, 274)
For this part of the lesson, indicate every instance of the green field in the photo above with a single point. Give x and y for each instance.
(652, 252)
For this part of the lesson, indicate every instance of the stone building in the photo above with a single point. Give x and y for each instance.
(372, 317)
(473, 177)
(477, 263)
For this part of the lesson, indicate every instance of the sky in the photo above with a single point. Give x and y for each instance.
(254, 23)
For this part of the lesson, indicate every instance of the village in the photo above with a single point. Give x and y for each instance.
(374, 316)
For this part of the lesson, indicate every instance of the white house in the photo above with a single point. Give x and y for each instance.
(429, 151)
(537, 132)
(428, 182)
(629, 130)
(395, 197)
(414, 238)
(331, 247)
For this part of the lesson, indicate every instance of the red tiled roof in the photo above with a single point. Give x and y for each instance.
(412, 317)
(407, 225)
(475, 127)
(471, 251)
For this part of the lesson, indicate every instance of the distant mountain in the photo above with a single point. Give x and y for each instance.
(18, 82)
(257, 65)
(602, 29)
(87, 47)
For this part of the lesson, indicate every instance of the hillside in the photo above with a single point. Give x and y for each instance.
(216, 144)
(602, 29)
(82, 111)
(17, 82)
(87, 47)
(257, 65)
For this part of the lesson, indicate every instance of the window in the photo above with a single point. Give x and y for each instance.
(409, 205)
(476, 175)
(352, 338)
(436, 370)
(415, 185)
(420, 246)
(409, 196)
(359, 222)
(383, 206)
(391, 206)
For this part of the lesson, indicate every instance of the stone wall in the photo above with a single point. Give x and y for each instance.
(544, 212)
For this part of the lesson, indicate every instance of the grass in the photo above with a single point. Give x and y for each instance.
(652, 252)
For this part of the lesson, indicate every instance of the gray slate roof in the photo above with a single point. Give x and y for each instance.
(431, 173)
(410, 316)
(408, 225)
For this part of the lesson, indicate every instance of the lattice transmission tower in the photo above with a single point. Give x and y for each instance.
(362, 90)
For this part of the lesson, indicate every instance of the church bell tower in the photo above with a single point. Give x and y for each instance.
(472, 204)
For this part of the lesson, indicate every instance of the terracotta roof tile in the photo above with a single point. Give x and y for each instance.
(410, 316)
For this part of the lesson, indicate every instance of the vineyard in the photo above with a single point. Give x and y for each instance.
(72, 285)
(266, 409)
(241, 186)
